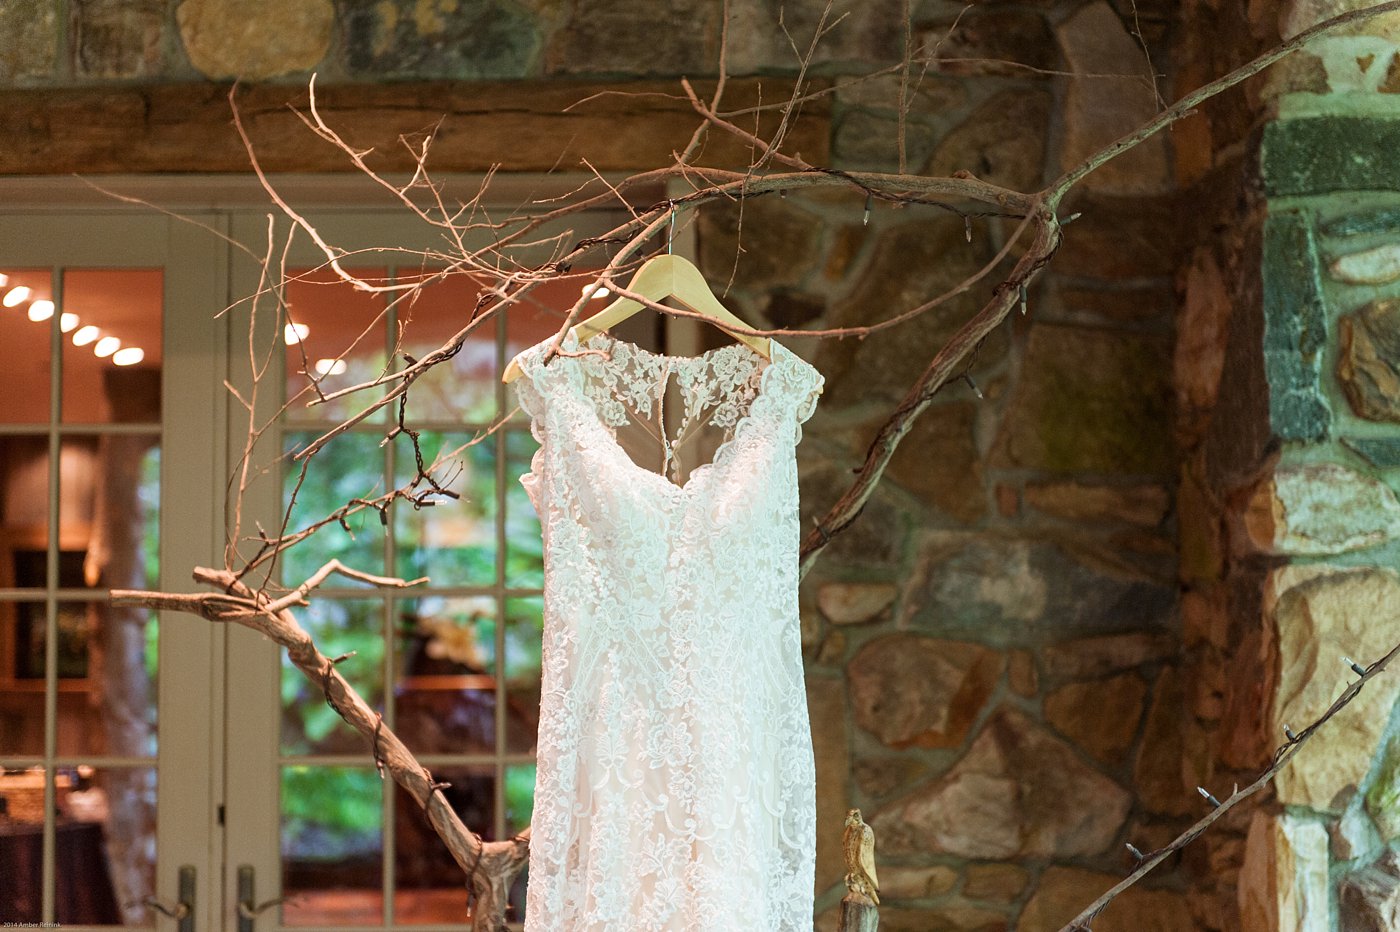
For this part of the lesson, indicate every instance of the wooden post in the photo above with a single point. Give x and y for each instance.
(858, 914)
(858, 906)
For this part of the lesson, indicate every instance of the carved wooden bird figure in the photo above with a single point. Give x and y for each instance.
(858, 843)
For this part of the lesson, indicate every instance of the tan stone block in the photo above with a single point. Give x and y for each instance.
(1097, 112)
(914, 883)
(938, 460)
(942, 919)
(1018, 791)
(880, 776)
(855, 603)
(1368, 364)
(911, 260)
(1370, 899)
(30, 29)
(1283, 884)
(1319, 621)
(759, 244)
(255, 39)
(911, 690)
(1064, 892)
(1144, 505)
(1321, 509)
(1085, 658)
(932, 94)
(1000, 882)
(1088, 400)
(1002, 142)
(993, 41)
(1100, 716)
(1198, 361)
(118, 38)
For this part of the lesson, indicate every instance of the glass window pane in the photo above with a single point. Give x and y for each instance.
(111, 324)
(22, 845)
(107, 687)
(349, 467)
(338, 626)
(524, 643)
(22, 678)
(445, 699)
(106, 845)
(334, 335)
(462, 388)
(24, 509)
(427, 879)
(524, 541)
(332, 846)
(453, 542)
(520, 796)
(109, 500)
(24, 376)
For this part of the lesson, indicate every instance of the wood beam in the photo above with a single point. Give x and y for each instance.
(531, 126)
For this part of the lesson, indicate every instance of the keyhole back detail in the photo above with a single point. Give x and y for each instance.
(628, 388)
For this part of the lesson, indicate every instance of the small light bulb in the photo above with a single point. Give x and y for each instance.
(295, 333)
(67, 321)
(129, 356)
(331, 366)
(17, 296)
(4, 279)
(106, 347)
(596, 292)
(41, 310)
(85, 335)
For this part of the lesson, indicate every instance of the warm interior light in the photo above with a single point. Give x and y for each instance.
(331, 366)
(17, 296)
(106, 347)
(129, 356)
(4, 279)
(85, 335)
(594, 293)
(67, 321)
(41, 310)
(295, 333)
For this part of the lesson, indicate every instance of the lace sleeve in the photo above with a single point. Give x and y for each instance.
(530, 389)
(808, 383)
(531, 385)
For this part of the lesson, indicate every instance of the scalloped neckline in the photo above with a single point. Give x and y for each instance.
(722, 452)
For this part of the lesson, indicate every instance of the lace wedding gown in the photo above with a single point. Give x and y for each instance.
(675, 787)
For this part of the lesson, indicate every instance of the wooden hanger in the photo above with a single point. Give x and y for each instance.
(664, 276)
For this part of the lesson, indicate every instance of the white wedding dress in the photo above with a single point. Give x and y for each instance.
(675, 787)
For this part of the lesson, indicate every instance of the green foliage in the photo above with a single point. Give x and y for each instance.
(339, 807)
(454, 542)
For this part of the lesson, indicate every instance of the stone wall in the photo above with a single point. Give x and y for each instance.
(1087, 583)
(993, 648)
(1291, 461)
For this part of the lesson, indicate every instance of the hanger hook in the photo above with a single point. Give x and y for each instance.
(671, 231)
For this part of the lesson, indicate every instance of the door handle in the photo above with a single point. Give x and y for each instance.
(249, 909)
(183, 910)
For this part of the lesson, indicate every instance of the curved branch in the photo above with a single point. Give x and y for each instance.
(489, 866)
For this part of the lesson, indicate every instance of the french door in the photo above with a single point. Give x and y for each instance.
(167, 773)
(110, 445)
